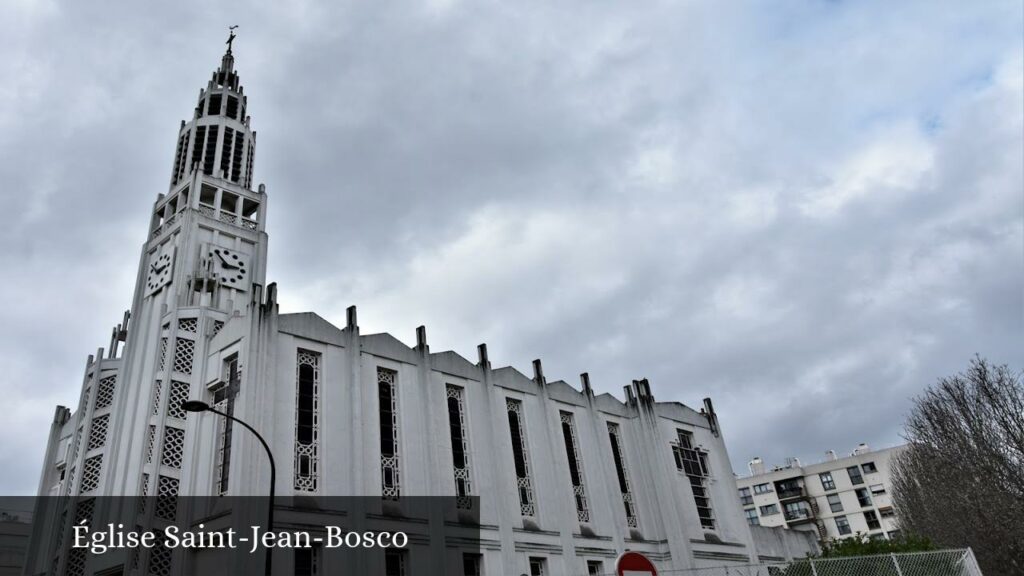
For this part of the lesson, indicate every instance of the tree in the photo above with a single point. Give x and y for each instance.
(960, 483)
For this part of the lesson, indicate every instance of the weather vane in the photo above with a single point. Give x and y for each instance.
(231, 36)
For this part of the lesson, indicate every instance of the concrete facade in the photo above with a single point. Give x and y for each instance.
(565, 476)
(837, 498)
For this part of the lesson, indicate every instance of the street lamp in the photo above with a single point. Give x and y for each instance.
(200, 406)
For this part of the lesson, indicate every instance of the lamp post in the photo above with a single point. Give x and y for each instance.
(200, 406)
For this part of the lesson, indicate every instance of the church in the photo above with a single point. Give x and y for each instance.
(565, 480)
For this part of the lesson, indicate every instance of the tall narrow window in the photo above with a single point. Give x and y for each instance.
(391, 487)
(236, 157)
(210, 152)
(460, 447)
(826, 481)
(575, 466)
(394, 562)
(694, 463)
(620, 471)
(225, 152)
(520, 456)
(307, 561)
(197, 146)
(307, 421)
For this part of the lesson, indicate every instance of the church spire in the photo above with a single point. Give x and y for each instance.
(218, 140)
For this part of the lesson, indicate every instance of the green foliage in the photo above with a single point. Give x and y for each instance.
(861, 545)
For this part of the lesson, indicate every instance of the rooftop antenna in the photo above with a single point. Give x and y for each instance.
(231, 36)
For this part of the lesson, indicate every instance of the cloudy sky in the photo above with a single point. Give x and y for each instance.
(808, 211)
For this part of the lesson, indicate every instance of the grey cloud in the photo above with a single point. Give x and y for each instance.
(807, 213)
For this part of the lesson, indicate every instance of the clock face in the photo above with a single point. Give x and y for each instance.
(159, 273)
(231, 266)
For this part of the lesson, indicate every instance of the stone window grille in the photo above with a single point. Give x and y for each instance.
(579, 490)
(105, 393)
(307, 421)
(98, 432)
(460, 445)
(391, 485)
(615, 438)
(520, 455)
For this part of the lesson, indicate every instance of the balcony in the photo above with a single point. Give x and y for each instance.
(790, 493)
(798, 516)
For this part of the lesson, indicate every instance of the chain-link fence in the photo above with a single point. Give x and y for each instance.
(937, 563)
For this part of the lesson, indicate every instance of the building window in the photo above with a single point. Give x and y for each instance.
(394, 562)
(391, 487)
(872, 519)
(307, 561)
(843, 525)
(855, 477)
(307, 416)
(752, 517)
(579, 491)
(694, 463)
(893, 535)
(863, 497)
(835, 503)
(745, 498)
(620, 471)
(520, 456)
(796, 510)
(595, 568)
(869, 467)
(887, 512)
(762, 488)
(471, 564)
(460, 447)
(877, 489)
(769, 509)
(538, 567)
(826, 481)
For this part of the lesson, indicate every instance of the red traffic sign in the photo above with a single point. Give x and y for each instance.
(634, 564)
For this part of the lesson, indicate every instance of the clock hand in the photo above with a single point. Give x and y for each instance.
(225, 261)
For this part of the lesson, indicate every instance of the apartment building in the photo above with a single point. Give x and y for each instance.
(837, 498)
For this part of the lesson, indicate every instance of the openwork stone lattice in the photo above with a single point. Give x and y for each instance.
(91, 473)
(527, 505)
(391, 486)
(150, 440)
(105, 393)
(98, 432)
(174, 441)
(623, 477)
(460, 446)
(159, 561)
(575, 466)
(143, 493)
(188, 325)
(166, 498)
(76, 562)
(178, 394)
(307, 421)
(217, 325)
(162, 355)
(184, 353)
(158, 388)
